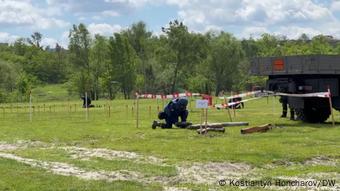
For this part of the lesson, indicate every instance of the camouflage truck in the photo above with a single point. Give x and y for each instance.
(300, 75)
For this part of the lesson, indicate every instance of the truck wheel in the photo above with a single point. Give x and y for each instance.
(313, 114)
(316, 115)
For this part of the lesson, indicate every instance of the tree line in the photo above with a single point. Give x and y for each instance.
(136, 60)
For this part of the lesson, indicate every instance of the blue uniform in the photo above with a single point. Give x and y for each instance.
(176, 108)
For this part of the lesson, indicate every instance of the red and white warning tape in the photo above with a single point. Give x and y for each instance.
(170, 96)
(252, 93)
(261, 94)
(257, 94)
(225, 105)
(316, 94)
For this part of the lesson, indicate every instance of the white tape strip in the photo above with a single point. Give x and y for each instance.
(316, 94)
(220, 106)
(242, 95)
(170, 96)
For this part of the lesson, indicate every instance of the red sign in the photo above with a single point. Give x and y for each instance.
(279, 65)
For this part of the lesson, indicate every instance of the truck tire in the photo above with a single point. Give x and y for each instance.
(314, 111)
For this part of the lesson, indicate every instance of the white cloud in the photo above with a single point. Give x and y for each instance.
(335, 6)
(22, 13)
(97, 6)
(103, 29)
(49, 42)
(64, 40)
(180, 3)
(7, 38)
(264, 14)
(110, 13)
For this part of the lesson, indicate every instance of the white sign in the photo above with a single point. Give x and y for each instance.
(200, 104)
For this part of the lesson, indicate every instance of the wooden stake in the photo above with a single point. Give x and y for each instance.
(137, 111)
(149, 111)
(202, 113)
(206, 117)
(86, 108)
(30, 106)
(109, 111)
(331, 106)
(233, 106)
(228, 109)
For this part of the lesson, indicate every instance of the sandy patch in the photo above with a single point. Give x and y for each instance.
(321, 160)
(108, 154)
(21, 145)
(211, 173)
(175, 189)
(70, 170)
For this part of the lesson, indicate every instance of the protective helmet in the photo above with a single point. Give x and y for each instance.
(182, 103)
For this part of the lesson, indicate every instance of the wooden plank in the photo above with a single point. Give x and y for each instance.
(262, 128)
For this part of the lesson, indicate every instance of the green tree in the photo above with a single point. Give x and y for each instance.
(123, 61)
(35, 40)
(320, 45)
(99, 59)
(225, 56)
(185, 50)
(139, 39)
(79, 48)
(269, 45)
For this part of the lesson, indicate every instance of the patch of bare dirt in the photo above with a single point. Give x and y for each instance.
(21, 145)
(70, 170)
(211, 173)
(321, 160)
(87, 153)
(166, 188)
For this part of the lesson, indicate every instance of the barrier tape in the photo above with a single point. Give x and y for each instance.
(261, 94)
(316, 94)
(225, 105)
(252, 93)
(170, 96)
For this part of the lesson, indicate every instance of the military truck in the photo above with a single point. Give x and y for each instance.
(301, 75)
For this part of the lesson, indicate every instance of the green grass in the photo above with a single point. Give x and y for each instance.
(65, 124)
(56, 92)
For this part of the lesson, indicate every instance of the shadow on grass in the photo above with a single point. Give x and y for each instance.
(304, 124)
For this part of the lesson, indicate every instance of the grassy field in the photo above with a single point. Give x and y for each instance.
(34, 148)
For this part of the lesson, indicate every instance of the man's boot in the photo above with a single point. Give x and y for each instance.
(284, 114)
(155, 124)
(159, 124)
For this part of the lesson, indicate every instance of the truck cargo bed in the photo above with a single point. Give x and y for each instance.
(290, 65)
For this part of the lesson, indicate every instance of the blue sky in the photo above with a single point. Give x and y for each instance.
(243, 18)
